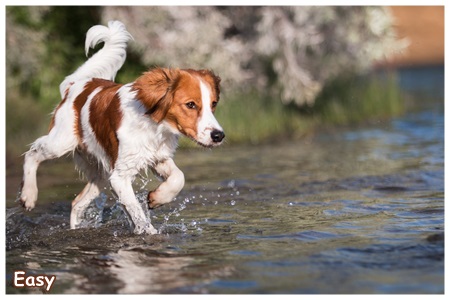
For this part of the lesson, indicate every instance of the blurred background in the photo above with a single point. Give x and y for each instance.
(286, 71)
(331, 179)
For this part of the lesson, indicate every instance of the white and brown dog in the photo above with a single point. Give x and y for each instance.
(116, 130)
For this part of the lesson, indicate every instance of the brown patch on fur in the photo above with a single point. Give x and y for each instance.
(81, 99)
(52, 121)
(105, 117)
(155, 90)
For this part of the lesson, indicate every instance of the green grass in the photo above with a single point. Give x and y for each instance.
(351, 100)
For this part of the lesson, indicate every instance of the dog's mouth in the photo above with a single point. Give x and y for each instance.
(204, 145)
(207, 139)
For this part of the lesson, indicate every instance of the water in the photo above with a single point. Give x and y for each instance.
(354, 211)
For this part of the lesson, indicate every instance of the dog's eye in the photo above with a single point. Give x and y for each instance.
(191, 105)
(214, 104)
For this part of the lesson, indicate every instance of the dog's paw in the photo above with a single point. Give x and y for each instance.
(27, 203)
(152, 201)
(27, 198)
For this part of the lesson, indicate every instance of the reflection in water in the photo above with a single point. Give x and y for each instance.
(142, 273)
(146, 271)
(359, 211)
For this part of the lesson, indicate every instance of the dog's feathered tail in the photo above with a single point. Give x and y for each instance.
(108, 60)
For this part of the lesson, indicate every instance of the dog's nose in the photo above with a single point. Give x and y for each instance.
(217, 136)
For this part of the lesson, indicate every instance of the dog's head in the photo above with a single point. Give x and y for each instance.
(185, 100)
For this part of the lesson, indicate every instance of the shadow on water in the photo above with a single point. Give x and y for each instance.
(358, 211)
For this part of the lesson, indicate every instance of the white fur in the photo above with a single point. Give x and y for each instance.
(142, 141)
(207, 122)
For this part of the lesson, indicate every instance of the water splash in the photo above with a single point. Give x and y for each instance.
(166, 226)
(93, 216)
(172, 222)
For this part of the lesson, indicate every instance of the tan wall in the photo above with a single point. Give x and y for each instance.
(423, 26)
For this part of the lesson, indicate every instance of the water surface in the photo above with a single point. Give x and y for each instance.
(353, 211)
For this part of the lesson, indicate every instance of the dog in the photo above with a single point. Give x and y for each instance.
(115, 130)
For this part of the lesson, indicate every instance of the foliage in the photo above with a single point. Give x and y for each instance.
(289, 52)
(44, 44)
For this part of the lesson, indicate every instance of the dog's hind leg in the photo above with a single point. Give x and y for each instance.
(96, 183)
(44, 148)
(91, 191)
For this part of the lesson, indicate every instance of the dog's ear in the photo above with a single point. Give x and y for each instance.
(155, 90)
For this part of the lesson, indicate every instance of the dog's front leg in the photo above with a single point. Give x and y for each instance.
(174, 182)
(124, 190)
